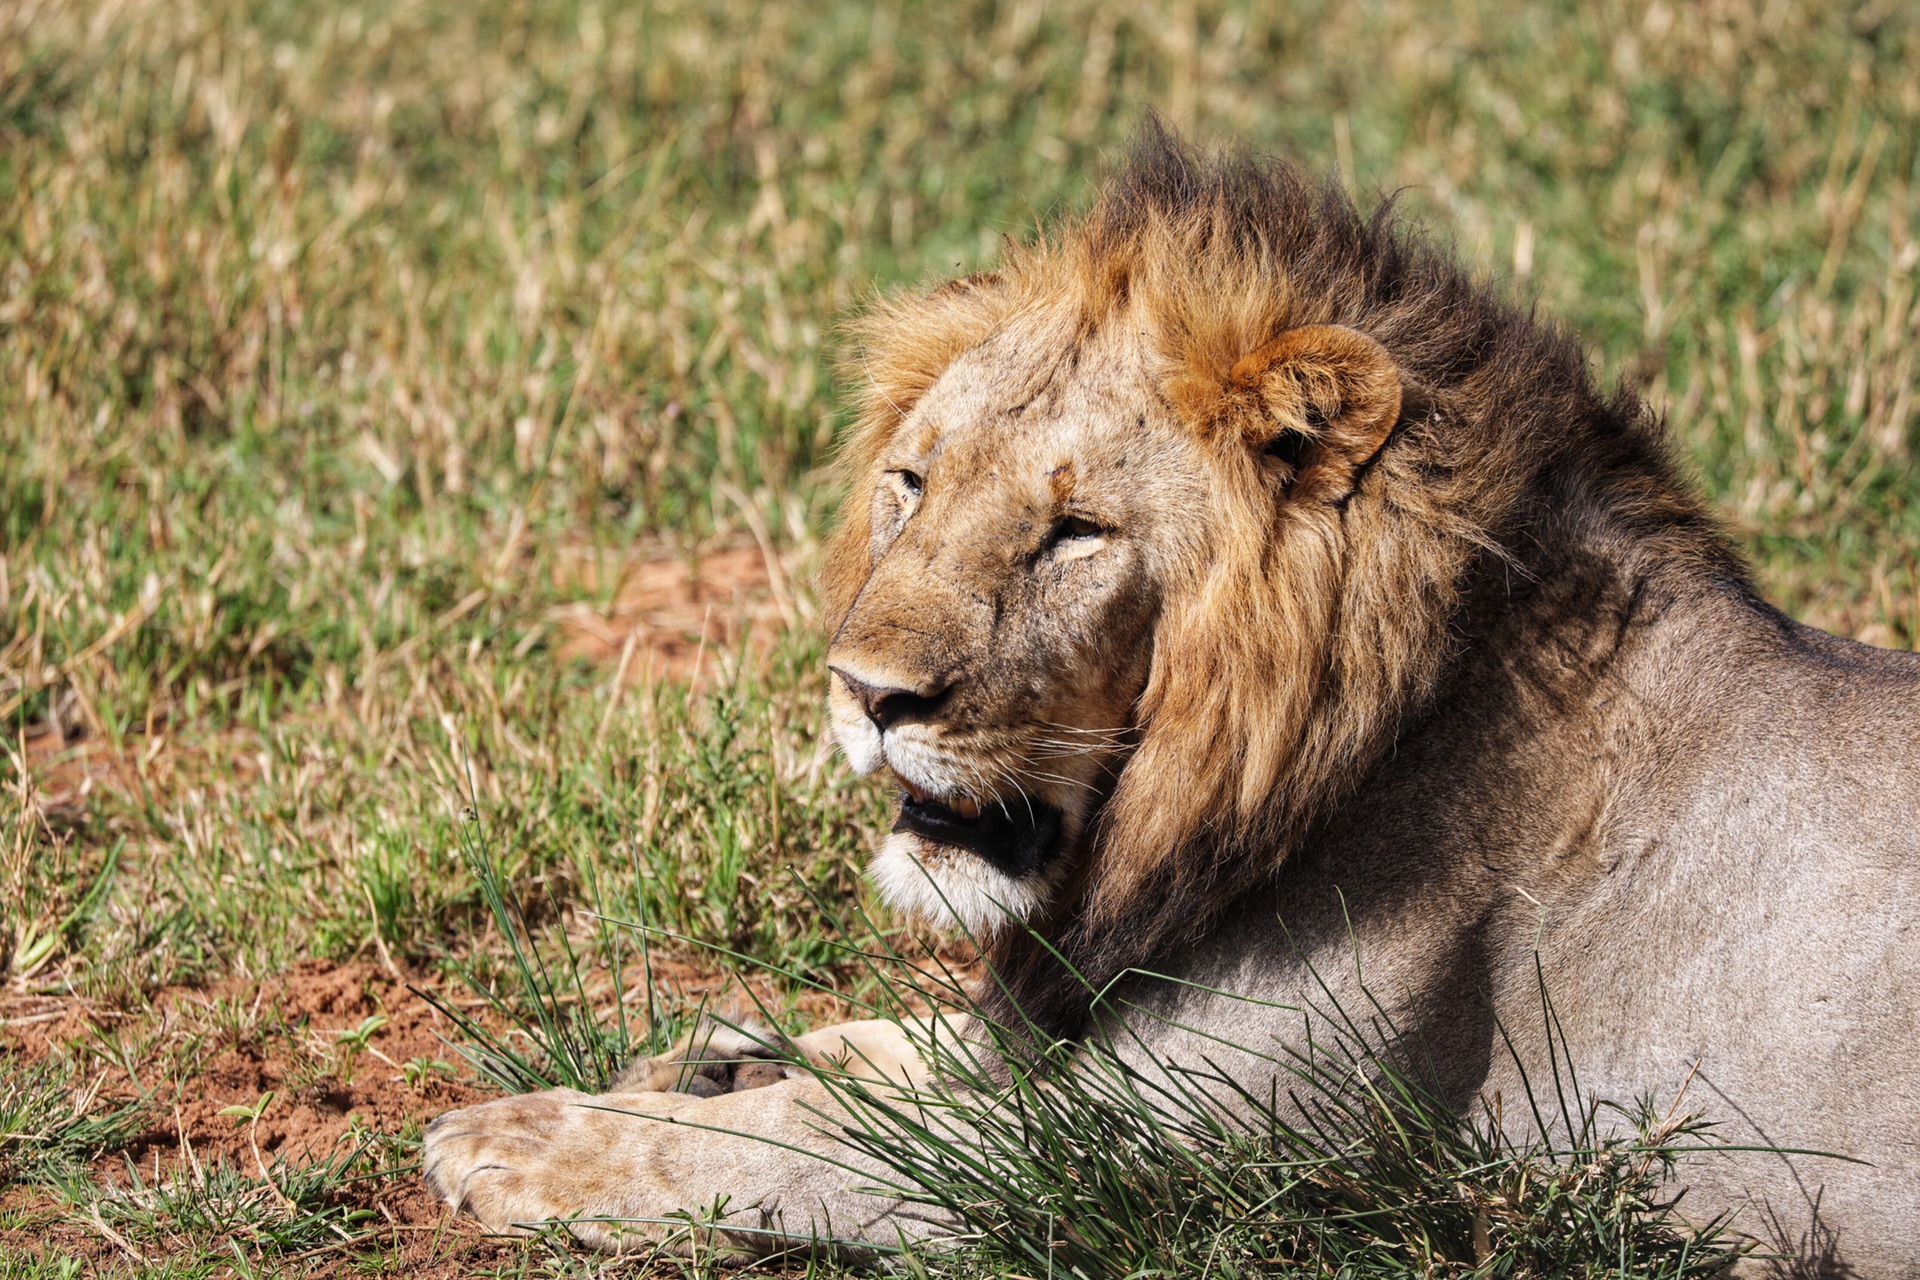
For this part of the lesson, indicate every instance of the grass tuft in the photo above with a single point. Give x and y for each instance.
(1351, 1166)
(1099, 1159)
(51, 1123)
(280, 1207)
(554, 1037)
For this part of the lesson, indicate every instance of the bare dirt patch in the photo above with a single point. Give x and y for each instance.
(322, 1082)
(68, 769)
(283, 1035)
(73, 766)
(228, 1045)
(671, 616)
(306, 1038)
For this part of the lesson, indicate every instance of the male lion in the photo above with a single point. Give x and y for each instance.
(1235, 587)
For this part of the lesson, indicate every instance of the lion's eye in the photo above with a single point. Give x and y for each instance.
(909, 481)
(1074, 536)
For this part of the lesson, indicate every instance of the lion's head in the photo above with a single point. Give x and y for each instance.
(1153, 539)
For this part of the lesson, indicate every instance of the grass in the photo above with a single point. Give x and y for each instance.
(1085, 1161)
(357, 360)
(1351, 1166)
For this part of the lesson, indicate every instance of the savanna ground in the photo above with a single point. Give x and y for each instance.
(416, 424)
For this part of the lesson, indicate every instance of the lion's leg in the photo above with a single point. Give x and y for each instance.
(880, 1050)
(759, 1166)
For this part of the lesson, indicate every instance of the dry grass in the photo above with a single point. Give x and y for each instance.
(357, 361)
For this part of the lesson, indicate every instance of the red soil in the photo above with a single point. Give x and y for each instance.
(307, 1119)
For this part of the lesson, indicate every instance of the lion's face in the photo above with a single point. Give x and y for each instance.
(1021, 519)
(1087, 584)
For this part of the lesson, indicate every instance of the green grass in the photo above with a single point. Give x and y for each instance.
(1080, 1161)
(344, 347)
(1351, 1166)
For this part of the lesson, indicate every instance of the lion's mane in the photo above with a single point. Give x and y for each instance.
(1311, 636)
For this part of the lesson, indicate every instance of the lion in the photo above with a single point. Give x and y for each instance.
(1242, 594)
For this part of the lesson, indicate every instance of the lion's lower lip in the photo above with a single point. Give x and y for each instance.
(965, 806)
(1015, 839)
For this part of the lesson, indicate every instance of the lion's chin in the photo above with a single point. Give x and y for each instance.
(944, 885)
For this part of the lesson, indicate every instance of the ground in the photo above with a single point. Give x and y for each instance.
(415, 445)
(343, 1058)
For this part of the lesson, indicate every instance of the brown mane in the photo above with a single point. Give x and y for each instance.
(1309, 636)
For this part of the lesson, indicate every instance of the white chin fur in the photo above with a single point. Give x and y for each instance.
(945, 886)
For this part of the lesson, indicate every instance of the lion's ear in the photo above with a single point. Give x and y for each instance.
(1330, 397)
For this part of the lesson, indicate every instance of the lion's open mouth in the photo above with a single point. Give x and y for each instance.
(1016, 839)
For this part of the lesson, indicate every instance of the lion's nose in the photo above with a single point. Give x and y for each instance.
(888, 706)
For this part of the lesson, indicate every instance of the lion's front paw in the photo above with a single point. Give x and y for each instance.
(516, 1163)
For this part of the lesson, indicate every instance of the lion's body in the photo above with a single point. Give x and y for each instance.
(1716, 864)
(1239, 591)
